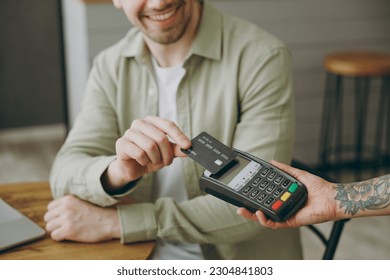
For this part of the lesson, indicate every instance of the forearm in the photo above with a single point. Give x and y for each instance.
(366, 198)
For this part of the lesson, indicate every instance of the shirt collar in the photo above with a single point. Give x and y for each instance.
(207, 43)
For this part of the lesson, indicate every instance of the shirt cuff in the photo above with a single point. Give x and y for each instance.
(125, 190)
(138, 222)
(93, 181)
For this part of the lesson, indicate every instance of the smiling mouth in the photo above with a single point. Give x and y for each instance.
(164, 16)
(161, 15)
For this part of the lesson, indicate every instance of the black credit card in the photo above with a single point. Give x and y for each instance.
(210, 153)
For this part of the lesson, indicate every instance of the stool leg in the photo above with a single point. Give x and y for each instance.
(330, 117)
(387, 139)
(382, 123)
(327, 109)
(339, 124)
(334, 239)
(361, 101)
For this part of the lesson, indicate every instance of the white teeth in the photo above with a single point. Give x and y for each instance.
(162, 16)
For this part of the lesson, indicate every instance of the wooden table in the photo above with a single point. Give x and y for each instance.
(31, 199)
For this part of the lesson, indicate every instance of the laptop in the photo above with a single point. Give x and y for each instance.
(15, 228)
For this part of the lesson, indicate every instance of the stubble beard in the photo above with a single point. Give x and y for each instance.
(172, 34)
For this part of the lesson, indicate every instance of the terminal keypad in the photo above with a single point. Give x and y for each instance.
(268, 187)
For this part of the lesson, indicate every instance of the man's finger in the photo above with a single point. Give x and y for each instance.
(53, 225)
(172, 130)
(246, 214)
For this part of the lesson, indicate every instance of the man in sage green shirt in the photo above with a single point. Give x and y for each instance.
(234, 82)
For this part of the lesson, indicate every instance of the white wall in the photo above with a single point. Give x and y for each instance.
(76, 53)
(310, 28)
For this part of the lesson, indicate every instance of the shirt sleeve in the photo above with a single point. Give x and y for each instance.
(90, 145)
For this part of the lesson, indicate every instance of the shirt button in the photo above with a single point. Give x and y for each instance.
(151, 92)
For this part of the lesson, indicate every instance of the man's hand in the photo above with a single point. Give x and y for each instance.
(70, 218)
(320, 206)
(145, 147)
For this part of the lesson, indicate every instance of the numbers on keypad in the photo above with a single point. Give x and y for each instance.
(261, 197)
(269, 201)
(255, 193)
(278, 179)
(264, 171)
(270, 188)
(271, 176)
(286, 183)
(247, 190)
(256, 182)
(278, 192)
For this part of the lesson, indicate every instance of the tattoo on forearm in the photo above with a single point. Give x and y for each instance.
(372, 194)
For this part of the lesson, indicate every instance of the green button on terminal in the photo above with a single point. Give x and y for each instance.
(293, 187)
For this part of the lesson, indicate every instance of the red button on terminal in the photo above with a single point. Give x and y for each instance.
(277, 205)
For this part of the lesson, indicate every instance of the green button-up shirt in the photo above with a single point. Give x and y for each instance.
(237, 87)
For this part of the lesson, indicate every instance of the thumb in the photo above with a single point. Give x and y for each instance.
(176, 150)
(287, 168)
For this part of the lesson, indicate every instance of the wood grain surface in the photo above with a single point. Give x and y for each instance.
(31, 199)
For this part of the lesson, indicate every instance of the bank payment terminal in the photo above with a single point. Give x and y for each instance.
(244, 180)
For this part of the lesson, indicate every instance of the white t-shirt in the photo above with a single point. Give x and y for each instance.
(169, 181)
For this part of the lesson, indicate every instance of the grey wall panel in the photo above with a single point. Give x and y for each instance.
(31, 81)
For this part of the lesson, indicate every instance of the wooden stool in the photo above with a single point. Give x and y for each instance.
(362, 67)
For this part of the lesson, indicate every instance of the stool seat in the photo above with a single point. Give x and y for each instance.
(338, 149)
(358, 63)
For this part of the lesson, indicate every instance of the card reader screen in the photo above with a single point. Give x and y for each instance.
(229, 175)
(240, 173)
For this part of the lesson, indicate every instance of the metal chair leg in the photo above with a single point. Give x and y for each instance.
(334, 239)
